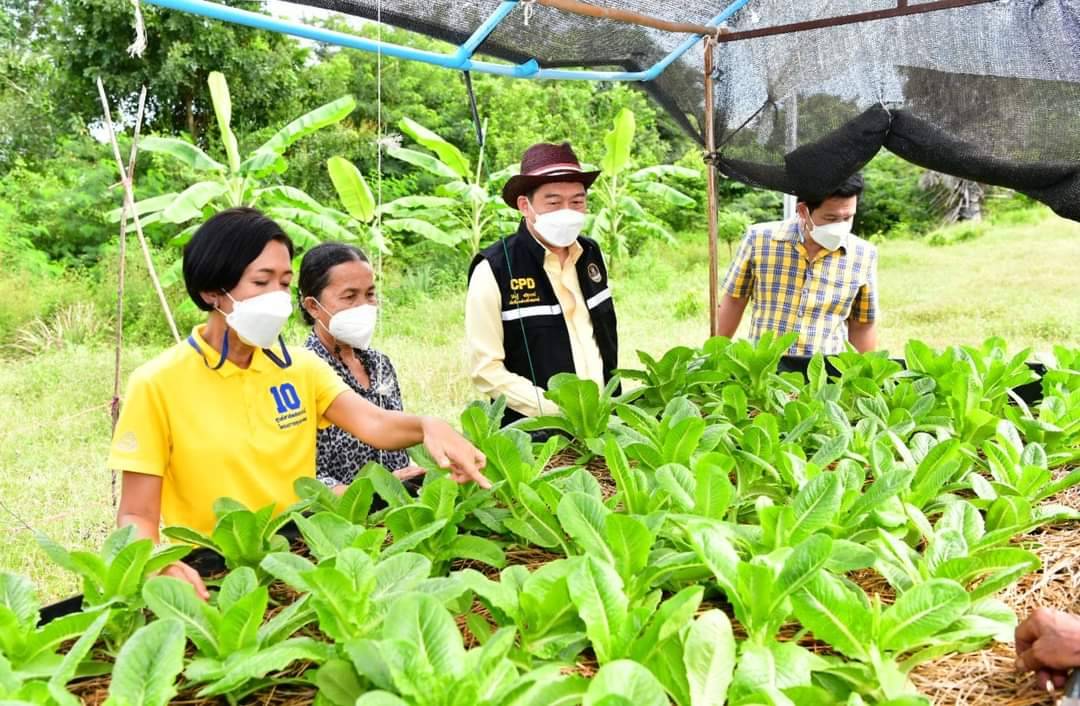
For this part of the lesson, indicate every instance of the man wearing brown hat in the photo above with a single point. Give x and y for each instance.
(539, 301)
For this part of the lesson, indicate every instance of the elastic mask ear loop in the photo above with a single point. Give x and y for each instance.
(535, 214)
(224, 315)
(224, 342)
(805, 227)
(337, 346)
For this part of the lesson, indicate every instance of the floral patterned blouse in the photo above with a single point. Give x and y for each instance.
(339, 454)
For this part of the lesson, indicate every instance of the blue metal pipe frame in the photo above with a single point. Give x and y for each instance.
(460, 60)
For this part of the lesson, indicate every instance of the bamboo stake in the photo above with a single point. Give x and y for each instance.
(628, 17)
(122, 267)
(114, 405)
(710, 149)
(129, 204)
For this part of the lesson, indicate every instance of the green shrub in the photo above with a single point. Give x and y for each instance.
(144, 321)
(27, 295)
(893, 204)
(731, 226)
(77, 304)
(1010, 208)
(57, 205)
(957, 233)
(688, 306)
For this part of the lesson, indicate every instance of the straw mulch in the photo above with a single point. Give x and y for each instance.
(989, 676)
(94, 692)
(597, 466)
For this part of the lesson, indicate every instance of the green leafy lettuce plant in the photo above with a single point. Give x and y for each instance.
(113, 577)
(240, 536)
(235, 646)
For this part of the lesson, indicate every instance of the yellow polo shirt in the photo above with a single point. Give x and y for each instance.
(242, 433)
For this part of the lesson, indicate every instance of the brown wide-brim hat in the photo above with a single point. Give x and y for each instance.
(546, 164)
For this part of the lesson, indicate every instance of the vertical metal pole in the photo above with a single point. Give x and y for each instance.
(792, 142)
(710, 148)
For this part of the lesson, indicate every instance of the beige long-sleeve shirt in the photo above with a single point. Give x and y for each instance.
(484, 335)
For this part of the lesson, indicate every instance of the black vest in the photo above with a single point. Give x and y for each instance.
(531, 311)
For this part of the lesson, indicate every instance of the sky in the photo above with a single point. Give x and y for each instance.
(292, 11)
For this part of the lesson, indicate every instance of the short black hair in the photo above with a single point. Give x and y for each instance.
(315, 270)
(221, 249)
(852, 187)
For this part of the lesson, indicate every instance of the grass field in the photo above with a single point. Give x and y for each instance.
(1018, 282)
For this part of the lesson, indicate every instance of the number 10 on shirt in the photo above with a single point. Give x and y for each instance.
(285, 397)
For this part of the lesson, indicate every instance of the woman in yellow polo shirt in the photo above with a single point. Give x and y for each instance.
(231, 411)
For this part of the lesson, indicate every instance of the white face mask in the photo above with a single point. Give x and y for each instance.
(559, 228)
(355, 326)
(258, 320)
(831, 236)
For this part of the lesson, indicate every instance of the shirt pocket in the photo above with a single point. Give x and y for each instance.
(840, 288)
(778, 276)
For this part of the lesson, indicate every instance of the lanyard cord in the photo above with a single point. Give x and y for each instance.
(524, 338)
(224, 351)
(281, 363)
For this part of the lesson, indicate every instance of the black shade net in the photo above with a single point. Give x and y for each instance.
(988, 92)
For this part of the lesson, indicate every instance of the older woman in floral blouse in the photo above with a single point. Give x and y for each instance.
(338, 299)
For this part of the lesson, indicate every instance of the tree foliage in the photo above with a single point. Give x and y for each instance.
(89, 38)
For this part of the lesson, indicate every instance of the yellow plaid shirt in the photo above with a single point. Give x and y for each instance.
(791, 293)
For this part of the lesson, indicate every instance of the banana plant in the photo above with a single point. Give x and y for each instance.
(620, 192)
(235, 648)
(250, 180)
(466, 210)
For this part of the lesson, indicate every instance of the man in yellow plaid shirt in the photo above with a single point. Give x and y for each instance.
(809, 275)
